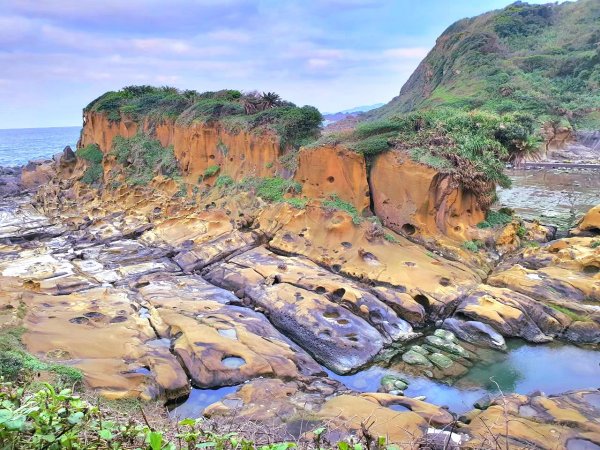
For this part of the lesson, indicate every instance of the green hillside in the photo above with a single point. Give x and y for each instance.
(538, 59)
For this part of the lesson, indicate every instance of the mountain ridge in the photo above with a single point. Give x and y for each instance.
(538, 59)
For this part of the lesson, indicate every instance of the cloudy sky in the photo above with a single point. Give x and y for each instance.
(57, 55)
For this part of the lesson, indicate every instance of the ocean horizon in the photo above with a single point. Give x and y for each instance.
(20, 145)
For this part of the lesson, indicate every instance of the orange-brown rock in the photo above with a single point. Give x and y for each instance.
(590, 222)
(331, 239)
(197, 146)
(413, 198)
(330, 170)
(112, 345)
(516, 421)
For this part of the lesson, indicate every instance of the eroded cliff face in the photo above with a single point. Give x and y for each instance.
(412, 198)
(409, 197)
(196, 147)
(330, 170)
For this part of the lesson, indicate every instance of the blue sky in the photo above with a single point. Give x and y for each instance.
(57, 55)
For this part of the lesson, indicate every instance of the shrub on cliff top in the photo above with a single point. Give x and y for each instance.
(472, 146)
(236, 111)
(142, 158)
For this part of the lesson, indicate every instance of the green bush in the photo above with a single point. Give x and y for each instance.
(296, 202)
(390, 238)
(496, 218)
(143, 158)
(472, 246)
(93, 156)
(373, 145)
(273, 189)
(211, 171)
(91, 153)
(51, 419)
(336, 203)
(92, 174)
(224, 181)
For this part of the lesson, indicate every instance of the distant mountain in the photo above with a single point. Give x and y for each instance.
(334, 117)
(538, 59)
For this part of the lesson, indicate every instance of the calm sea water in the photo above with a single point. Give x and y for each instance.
(18, 146)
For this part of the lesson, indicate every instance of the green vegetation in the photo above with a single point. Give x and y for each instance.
(521, 231)
(595, 244)
(52, 419)
(472, 246)
(17, 364)
(540, 59)
(224, 181)
(390, 238)
(496, 218)
(569, 313)
(336, 203)
(93, 156)
(211, 171)
(472, 146)
(273, 189)
(142, 158)
(236, 111)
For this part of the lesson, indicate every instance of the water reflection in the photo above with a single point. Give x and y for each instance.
(551, 368)
(556, 197)
(198, 400)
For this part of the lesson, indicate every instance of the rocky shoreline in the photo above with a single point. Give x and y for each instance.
(150, 294)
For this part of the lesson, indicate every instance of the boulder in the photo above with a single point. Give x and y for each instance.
(474, 332)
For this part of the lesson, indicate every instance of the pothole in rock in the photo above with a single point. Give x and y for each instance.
(527, 411)
(80, 320)
(233, 362)
(229, 333)
(118, 319)
(400, 408)
(331, 314)
(593, 399)
(95, 316)
(199, 399)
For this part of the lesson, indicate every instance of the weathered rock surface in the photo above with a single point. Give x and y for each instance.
(413, 198)
(220, 344)
(475, 332)
(512, 314)
(325, 171)
(562, 421)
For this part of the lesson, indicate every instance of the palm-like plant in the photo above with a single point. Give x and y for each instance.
(270, 100)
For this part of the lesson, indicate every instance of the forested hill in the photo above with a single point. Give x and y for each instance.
(537, 59)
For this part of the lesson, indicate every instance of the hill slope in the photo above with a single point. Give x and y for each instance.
(538, 59)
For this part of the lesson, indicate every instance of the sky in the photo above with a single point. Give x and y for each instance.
(58, 55)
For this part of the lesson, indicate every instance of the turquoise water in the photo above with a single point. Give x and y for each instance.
(18, 146)
(525, 368)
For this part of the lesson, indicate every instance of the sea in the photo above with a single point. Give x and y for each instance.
(20, 145)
